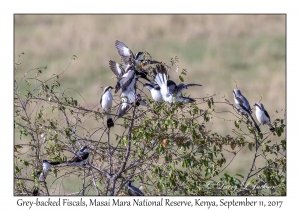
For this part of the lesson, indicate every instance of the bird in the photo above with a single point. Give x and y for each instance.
(154, 90)
(127, 83)
(243, 105)
(117, 68)
(129, 58)
(106, 104)
(130, 98)
(126, 78)
(44, 173)
(80, 157)
(262, 116)
(160, 77)
(132, 190)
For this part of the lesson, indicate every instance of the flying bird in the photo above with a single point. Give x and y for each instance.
(262, 116)
(132, 190)
(117, 68)
(170, 92)
(106, 104)
(243, 105)
(129, 58)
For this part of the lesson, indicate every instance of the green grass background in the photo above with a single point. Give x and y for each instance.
(216, 50)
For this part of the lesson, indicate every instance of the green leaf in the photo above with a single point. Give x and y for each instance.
(67, 131)
(181, 78)
(209, 104)
(239, 175)
(250, 146)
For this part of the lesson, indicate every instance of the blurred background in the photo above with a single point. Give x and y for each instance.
(216, 50)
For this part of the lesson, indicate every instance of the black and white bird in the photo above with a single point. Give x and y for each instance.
(132, 190)
(130, 99)
(106, 101)
(154, 90)
(262, 116)
(127, 83)
(243, 105)
(80, 157)
(126, 77)
(169, 90)
(44, 173)
(129, 58)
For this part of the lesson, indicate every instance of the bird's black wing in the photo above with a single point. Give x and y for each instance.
(171, 86)
(267, 114)
(182, 86)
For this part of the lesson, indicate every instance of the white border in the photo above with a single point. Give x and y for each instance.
(54, 6)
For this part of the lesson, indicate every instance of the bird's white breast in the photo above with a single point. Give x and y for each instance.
(107, 99)
(156, 95)
(261, 117)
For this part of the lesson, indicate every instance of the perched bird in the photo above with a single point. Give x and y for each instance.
(154, 90)
(262, 116)
(130, 98)
(129, 58)
(80, 157)
(243, 105)
(44, 173)
(106, 104)
(132, 190)
(160, 75)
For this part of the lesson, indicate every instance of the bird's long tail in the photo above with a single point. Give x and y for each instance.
(256, 126)
(109, 120)
(110, 123)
